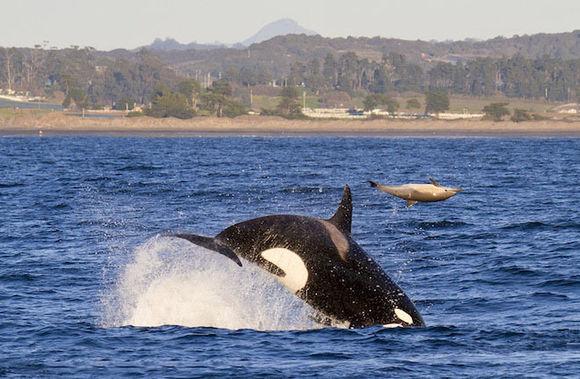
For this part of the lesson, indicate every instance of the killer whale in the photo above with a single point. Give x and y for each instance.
(319, 262)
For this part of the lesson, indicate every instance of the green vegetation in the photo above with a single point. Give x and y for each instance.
(373, 101)
(352, 72)
(436, 101)
(496, 111)
(521, 115)
(167, 103)
(392, 105)
(217, 100)
(124, 105)
(289, 105)
(413, 104)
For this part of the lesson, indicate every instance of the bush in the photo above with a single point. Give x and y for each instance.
(413, 104)
(496, 111)
(521, 115)
(436, 101)
(289, 105)
(268, 112)
(375, 100)
(539, 117)
(167, 103)
(124, 104)
(233, 109)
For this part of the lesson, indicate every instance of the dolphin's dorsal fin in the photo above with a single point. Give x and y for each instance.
(434, 182)
(342, 219)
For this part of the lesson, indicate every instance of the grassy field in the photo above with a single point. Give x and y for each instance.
(268, 102)
(461, 104)
(6, 113)
(458, 104)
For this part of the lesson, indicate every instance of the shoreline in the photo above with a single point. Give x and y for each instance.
(51, 123)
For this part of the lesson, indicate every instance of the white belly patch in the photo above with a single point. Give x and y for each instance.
(292, 265)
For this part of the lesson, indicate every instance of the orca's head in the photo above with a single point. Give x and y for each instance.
(376, 298)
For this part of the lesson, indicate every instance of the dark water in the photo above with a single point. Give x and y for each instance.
(494, 271)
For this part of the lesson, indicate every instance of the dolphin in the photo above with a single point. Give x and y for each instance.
(318, 261)
(415, 193)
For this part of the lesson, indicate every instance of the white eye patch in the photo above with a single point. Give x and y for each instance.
(292, 265)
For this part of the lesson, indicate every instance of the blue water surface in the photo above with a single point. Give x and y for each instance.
(494, 271)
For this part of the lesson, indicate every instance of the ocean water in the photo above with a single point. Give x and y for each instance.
(89, 288)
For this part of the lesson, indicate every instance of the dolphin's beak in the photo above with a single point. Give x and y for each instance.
(457, 190)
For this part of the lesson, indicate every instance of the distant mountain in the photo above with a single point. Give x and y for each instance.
(280, 27)
(170, 44)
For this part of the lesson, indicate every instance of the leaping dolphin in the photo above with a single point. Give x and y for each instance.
(319, 262)
(415, 193)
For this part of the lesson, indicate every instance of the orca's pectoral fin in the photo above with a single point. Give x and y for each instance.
(210, 244)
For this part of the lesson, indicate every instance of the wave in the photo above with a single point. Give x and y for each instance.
(11, 185)
(525, 226)
(538, 225)
(139, 167)
(443, 224)
(304, 189)
(171, 282)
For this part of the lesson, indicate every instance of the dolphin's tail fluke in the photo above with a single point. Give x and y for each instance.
(373, 184)
(210, 244)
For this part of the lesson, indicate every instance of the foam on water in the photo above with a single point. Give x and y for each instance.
(172, 282)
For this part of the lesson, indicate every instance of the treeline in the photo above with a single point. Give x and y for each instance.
(84, 77)
(548, 78)
(91, 79)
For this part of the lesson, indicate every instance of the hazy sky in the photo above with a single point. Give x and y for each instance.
(108, 24)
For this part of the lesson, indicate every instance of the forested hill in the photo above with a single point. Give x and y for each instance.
(544, 66)
(280, 52)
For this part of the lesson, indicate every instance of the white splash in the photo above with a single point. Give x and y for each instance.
(172, 282)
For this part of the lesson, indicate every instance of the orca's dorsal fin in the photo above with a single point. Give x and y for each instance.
(434, 182)
(342, 219)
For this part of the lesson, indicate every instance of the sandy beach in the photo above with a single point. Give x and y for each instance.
(57, 122)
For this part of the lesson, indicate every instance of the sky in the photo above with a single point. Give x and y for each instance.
(110, 24)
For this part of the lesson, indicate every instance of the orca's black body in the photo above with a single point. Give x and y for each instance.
(325, 266)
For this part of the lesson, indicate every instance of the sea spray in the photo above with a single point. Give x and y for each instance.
(172, 282)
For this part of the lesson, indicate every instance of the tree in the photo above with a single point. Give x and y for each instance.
(496, 111)
(190, 89)
(392, 105)
(75, 98)
(167, 103)
(371, 102)
(329, 70)
(216, 97)
(217, 101)
(289, 105)
(436, 101)
(233, 108)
